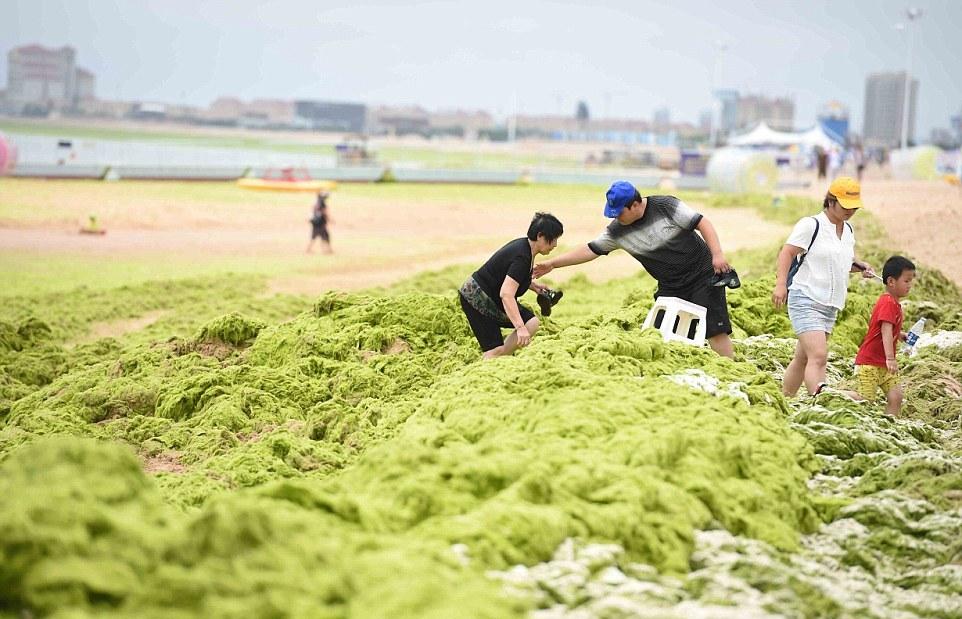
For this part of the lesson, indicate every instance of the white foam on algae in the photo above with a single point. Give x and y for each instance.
(695, 378)
(736, 577)
(940, 339)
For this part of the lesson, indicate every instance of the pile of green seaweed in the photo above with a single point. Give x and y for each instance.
(353, 457)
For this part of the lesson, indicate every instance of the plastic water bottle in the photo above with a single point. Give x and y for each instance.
(912, 337)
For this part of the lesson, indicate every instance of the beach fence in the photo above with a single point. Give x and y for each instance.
(727, 169)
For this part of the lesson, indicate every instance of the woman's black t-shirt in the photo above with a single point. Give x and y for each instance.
(514, 260)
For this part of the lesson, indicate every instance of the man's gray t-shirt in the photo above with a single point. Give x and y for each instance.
(664, 241)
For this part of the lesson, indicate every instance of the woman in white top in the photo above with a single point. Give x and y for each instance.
(825, 246)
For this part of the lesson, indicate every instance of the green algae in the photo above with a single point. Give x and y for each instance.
(422, 441)
(233, 329)
(111, 548)
(98, 540)
(39, 335)
(356, 459)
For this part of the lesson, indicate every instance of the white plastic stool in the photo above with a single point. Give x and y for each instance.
(678, 315)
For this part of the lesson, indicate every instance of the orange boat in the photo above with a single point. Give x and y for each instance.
(286, 179)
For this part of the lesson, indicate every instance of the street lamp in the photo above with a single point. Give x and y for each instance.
(913, 13)
(716, 111)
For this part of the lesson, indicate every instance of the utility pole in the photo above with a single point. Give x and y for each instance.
(720, 47)
(913, 13)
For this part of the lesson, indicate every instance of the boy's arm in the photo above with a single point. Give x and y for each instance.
(888, 343)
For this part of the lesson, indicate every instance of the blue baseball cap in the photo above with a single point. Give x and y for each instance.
(620, 195)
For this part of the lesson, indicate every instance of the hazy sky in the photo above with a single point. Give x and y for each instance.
(624, 58)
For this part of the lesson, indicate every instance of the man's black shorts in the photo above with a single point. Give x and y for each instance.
(487, 330)
(712, 298)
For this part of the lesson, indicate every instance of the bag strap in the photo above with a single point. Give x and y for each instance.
(801, 258)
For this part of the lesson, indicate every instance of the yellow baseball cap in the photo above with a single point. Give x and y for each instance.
(847, 191)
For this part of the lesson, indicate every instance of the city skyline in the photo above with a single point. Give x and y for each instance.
(541, 58)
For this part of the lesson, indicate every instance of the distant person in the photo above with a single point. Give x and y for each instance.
(875, 365)
(834, 161)
(958, 166)
(821, 162)
(660, 233)
(825, 244)
(319, 221)
(858, 158)
(489, 297)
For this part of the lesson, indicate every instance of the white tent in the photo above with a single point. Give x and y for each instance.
(816, 136)
(763, 135)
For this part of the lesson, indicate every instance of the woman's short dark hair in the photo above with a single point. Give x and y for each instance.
(545, 224)
(829, 198)
(895, 266)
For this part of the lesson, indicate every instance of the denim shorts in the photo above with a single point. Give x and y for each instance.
(807, 315)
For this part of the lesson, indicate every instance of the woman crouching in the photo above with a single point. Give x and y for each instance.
(489, 297)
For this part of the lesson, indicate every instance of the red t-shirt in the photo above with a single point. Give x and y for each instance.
(871, 352)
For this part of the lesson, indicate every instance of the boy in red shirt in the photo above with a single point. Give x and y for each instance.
(875, 364)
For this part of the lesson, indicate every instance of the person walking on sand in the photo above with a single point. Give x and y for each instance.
(660, 233)
(489, 297)
(823, 248)
(319, 222)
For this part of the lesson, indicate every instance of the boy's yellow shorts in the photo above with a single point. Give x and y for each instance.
(871, 378)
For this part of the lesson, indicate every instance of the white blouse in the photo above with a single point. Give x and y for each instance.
(823, 277)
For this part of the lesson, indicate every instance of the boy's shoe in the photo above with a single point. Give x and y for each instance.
(548, 299)
(729, 279)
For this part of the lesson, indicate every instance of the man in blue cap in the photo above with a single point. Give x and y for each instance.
(659, 232)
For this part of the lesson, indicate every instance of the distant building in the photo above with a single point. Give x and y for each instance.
(778, 113)
(41, 79)
(148, 111)
(625, 131)
(225, 110)
(833, 117)
(661, 119)
(259, 113)
(331, 116)
(884, 101)
(105, 109)
(273, 112)
(86, 83)
(460, 123)
(704, 121)
(393, 120)
(956, 123)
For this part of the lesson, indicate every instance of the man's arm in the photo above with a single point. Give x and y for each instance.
(578, 255)
(708, 233)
